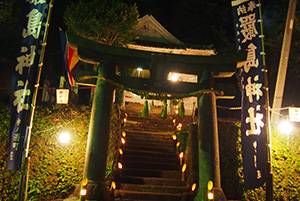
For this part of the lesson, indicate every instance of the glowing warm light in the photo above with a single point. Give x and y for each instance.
(84, 182)
(123, 140)
(177, 144)
(64, 137)
(120, 166)
(183, 169)
(179, 126)
(123, 133)
(139, 69)
(120, 151)
(174, 77)
(210, 196)
(176, 111)
(83, 192)
(181, 155)
(285, 127)
(174, 137)
(124, 120)
(113, 185)
(210, 185)
(194, 186)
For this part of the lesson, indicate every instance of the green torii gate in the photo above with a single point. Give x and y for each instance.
(159, 64)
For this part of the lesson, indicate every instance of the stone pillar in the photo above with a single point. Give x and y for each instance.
(205, 146)
(98, 136)
(208, 144)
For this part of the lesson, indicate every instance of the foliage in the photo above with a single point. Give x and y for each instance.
(145, 109)
(285, 163)
(110, 22)
(231, 159)
(181, 110)
(56, 169)
(164, 110)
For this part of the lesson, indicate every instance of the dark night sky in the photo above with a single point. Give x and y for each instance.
(191, 21)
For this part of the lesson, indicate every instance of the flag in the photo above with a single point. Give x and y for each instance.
(70, 58)
(29, 38)
(253, 116)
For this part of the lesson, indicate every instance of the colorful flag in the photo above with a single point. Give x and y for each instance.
(253, 129)
(70, 58)
(24, 76)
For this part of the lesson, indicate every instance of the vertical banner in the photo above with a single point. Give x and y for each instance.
(29, 39)
(253, 131)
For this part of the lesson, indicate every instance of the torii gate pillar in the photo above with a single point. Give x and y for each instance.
(98, 136)
(208, 145)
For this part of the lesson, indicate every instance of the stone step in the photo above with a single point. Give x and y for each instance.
(134, 195)
(152, 188)
(137, 157)
(149, 154)
(154, 135)
(168, 174)
(149, 143)
(151, 165)
(150, 181)
(142, 147)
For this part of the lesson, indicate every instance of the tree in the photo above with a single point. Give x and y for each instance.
(110, 22)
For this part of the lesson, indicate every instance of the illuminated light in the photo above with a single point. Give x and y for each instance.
(124, 120)
(123, 133)
(139, 69)
(181, 156)
(174, 77)
(177, 144)
(174, 137)
(123, 140)
(210, 185)
(113, 185)
(120, 151)
(194, 186)
(176, 111)
(64, 137)
(120, 166)
(84, 182)
(174, 122)
(285, 127)
(183, 169)
(179, 126)
(210, 195)
(83, 192)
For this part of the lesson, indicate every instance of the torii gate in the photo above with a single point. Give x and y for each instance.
(159, 64)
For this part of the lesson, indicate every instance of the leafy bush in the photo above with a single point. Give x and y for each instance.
(55, 169)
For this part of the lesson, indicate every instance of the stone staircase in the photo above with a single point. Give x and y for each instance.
(151, 168)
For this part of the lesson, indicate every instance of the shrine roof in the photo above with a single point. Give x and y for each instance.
(152, 36)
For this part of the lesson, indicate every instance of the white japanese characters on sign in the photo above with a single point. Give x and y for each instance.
(255, 120)
(20, 96)
(25, 60)
(36, 2)
(34, 24)
(253, 89)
